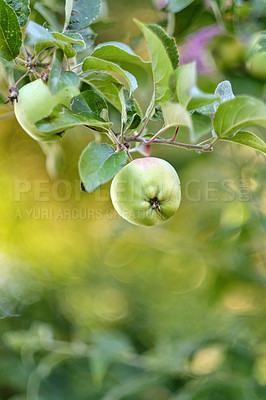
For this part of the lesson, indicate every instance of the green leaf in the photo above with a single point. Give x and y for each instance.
(202, 124)
(62, 118)
(93, 63)
(259, 45)
(247, 139)
(209, 109)
(174, 6)
(238, 113)
(48, 15)
(89, 102)
(10, 35)
(133, 112)
(68, 9)
(58, 79)
(107, 85)
(22, 10)
(188, 94)
(98, 164)
(168, 42)
(157, 114)
(41, 38)
(88, 37)
(161, 64)
(73, 37)
(54, 76)
(176, 115)
(84, 12)
(225, 93)
(122, 55)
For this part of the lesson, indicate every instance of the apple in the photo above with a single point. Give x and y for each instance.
(35, 101)
(146, 191)
(257, 66)
(227, 52)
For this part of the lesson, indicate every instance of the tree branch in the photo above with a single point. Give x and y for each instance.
(170, 143)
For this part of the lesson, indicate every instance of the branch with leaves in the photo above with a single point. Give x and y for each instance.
(81, 84)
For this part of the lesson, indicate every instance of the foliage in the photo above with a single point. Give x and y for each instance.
(95, 308)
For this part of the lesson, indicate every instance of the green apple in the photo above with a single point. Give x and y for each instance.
(227, 52)
(35, 101)
(146, 191)
(257, 66)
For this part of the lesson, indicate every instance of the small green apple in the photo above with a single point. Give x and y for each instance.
(35, 101)
(146, 191)
(257, 66)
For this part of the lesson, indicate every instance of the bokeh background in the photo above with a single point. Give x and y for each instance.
(92, 307)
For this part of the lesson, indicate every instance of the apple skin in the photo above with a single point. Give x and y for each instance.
(146, 191)
(35, 101)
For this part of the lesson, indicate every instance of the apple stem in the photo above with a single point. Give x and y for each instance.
(22, 77)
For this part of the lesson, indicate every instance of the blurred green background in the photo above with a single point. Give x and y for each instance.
(94, 308)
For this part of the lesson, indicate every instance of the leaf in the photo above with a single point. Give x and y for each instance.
(123, 56)
(209, 109)
(93, 63)
(247, 139)
(107, 85)
(238, 113)
(58, 79)
(83, 13)
(48, 15)
(176, 115)
(133, 112)
(161, 64)
(157, 114)
(41, 38)
(168, 42)
(174, 6)
(188, 94)
(68, 9)
(67, 78)
(22, 10)
(72, 37)
(259, 45)
(225, 92)
(98, 164)
(89, 102)
(54, 76)
(202, 124)
(10, 35)
(88, 37)
(63, 118)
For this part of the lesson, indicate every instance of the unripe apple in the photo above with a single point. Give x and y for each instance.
(35, 101)
(146, 191)
(257, 66)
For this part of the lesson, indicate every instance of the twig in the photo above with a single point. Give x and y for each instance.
(175, 134)
(156, 135)
(170, 143)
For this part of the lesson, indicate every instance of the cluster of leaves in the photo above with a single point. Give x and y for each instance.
(113, 72)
